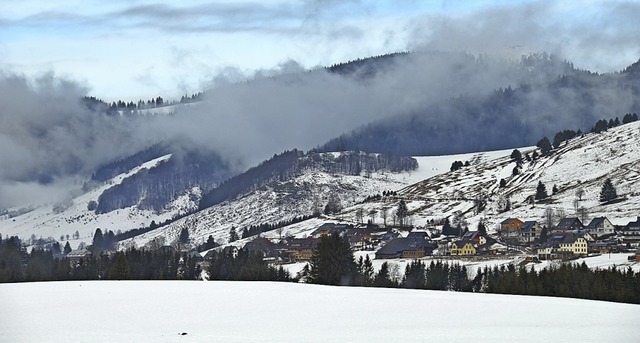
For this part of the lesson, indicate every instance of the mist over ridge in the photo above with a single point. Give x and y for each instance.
(52, 142)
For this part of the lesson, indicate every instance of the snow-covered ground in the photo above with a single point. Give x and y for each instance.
(161, 311)
(276, 202)
(45, 222)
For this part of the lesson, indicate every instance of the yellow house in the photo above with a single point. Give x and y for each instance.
(577, 245)
(563, 245)
(463, 248)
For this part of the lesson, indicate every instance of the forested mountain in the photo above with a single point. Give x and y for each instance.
(154, 188)
(507, 117)
(290, 164)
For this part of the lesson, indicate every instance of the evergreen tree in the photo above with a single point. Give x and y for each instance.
(332, 262)
(367, 271)
(482, 228)
(402, 212)
(516, 155)
(184, 235)
(67, 248)
(541, 191)
(608, 191)
(555, 189)
(383, 277)
(545, 145)
(414, 275)
(98, 242)
(503, 183)
(120, 268)
(233, 235)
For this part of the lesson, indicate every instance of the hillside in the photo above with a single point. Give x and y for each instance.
(514, 114)
(62, 219)
(280, 200)
(581, 163)
(222, 311)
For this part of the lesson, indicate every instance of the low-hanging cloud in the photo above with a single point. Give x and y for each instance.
(50, 142)
(598, 36)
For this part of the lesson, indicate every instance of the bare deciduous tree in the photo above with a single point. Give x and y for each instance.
(549, 216)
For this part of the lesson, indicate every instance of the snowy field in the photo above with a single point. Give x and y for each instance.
(160, 311)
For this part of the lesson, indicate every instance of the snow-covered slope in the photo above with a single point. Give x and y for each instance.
(44, 221)
(191, 311)
(581, 163)
(280, 201)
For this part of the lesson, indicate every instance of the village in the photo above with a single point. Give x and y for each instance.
(567, 240)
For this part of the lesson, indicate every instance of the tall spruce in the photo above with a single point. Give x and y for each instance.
(541, 191)
(608, 191)
(332, 262)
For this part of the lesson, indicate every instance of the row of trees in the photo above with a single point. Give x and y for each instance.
(601, 125)
(608, 191)
(332, 263)
(16, 265)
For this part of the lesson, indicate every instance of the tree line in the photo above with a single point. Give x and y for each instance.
(333, 263)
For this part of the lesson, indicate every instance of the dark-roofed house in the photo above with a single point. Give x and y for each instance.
(569, 224)
(75, 256)
(330, 229)
(600, 226)
(301, 249)
(463, 248)
(418, 234)
(530, 231)
(630, 234)
(564, 245)
(476, 237)
(510, 228)
(261, 246)
(405, 248)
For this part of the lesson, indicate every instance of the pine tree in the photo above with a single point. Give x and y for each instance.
(120, 268)
(332, 262)
(541, 191)
(402, 212)
(545, 145)
(67, 248)
(233, 235)
(482, 228)
(608, 191)
(516, 155)
(98, 242)
(184, 235)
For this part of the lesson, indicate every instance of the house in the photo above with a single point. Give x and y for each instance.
(530, 231)
(261, 246)
(301, 249)
(637, 255)
(463, 248)
(476, 237)
(630, 234)
(330, 229)
(563, 245)
(75, 256)
(195, 255)
(569, 224)
(231, 250)
(405, 248)
(600, 226)
(389, 236)
(510, 228)
(418, 235)
(603, 247)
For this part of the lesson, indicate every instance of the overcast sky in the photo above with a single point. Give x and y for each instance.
(138, 49)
